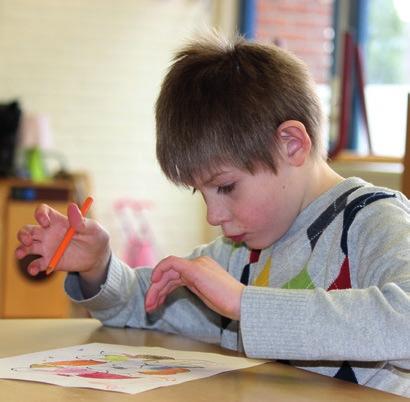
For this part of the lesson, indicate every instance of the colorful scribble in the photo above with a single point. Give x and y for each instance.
(120, 368)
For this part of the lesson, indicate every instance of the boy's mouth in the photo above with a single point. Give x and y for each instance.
(237, 238)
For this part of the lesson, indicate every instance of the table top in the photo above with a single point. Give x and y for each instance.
(267, 382)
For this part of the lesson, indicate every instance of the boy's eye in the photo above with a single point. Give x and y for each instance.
(226, 189)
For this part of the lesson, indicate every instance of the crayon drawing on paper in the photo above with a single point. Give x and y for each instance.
(120, 368)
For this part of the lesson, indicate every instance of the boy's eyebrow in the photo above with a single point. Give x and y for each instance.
(214, 176)
(209, 180)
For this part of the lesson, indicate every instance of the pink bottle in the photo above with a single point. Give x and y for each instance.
(139, 249)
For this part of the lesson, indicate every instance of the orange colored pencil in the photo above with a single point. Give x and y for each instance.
(67, 239)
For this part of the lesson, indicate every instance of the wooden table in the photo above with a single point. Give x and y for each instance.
(267, 382)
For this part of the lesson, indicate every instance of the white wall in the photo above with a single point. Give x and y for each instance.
(95, 67)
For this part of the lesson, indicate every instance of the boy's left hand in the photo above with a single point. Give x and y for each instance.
(203, 276)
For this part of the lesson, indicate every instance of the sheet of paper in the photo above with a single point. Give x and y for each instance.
(120, 368)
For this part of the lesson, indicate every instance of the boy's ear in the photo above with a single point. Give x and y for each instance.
(296, 143)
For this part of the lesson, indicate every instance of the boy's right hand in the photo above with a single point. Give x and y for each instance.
(88, 252)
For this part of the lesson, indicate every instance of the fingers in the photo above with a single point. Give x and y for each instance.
(168, 263)
(30, 241)
(36, 266)
(31, 233)
(42, 215)
(22, 251)
(169, 274)
(32, 237)
(159, 290)
(204, 277)
(155, 297)
(75, 218)
(28, 234)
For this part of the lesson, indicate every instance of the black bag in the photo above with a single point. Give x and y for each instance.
(10, 114)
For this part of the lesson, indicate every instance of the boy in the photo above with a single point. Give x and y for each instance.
(312, 267)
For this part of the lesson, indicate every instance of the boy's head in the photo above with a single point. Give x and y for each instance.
(222, 102)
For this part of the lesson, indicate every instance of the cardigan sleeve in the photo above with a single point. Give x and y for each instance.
(120, 301)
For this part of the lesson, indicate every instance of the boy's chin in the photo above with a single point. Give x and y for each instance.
(253, 244)
(256, 245)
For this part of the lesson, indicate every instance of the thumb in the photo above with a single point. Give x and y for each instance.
(75, 218)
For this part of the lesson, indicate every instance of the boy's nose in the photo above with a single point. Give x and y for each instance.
(216, 215)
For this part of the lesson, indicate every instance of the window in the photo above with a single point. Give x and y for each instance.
(314, 29)
(387, 71)
(304, 27)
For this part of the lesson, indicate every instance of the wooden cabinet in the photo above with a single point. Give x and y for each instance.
(23, 296)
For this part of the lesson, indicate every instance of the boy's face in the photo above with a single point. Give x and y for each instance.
(256, 208)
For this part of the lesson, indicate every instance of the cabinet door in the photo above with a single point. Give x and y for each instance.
(24, 296)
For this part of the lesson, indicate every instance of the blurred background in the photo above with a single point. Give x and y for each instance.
(85, 74)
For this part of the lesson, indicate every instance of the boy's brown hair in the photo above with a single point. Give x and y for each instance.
(222, 102)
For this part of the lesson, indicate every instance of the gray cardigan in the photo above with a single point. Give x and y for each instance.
(331, 296)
